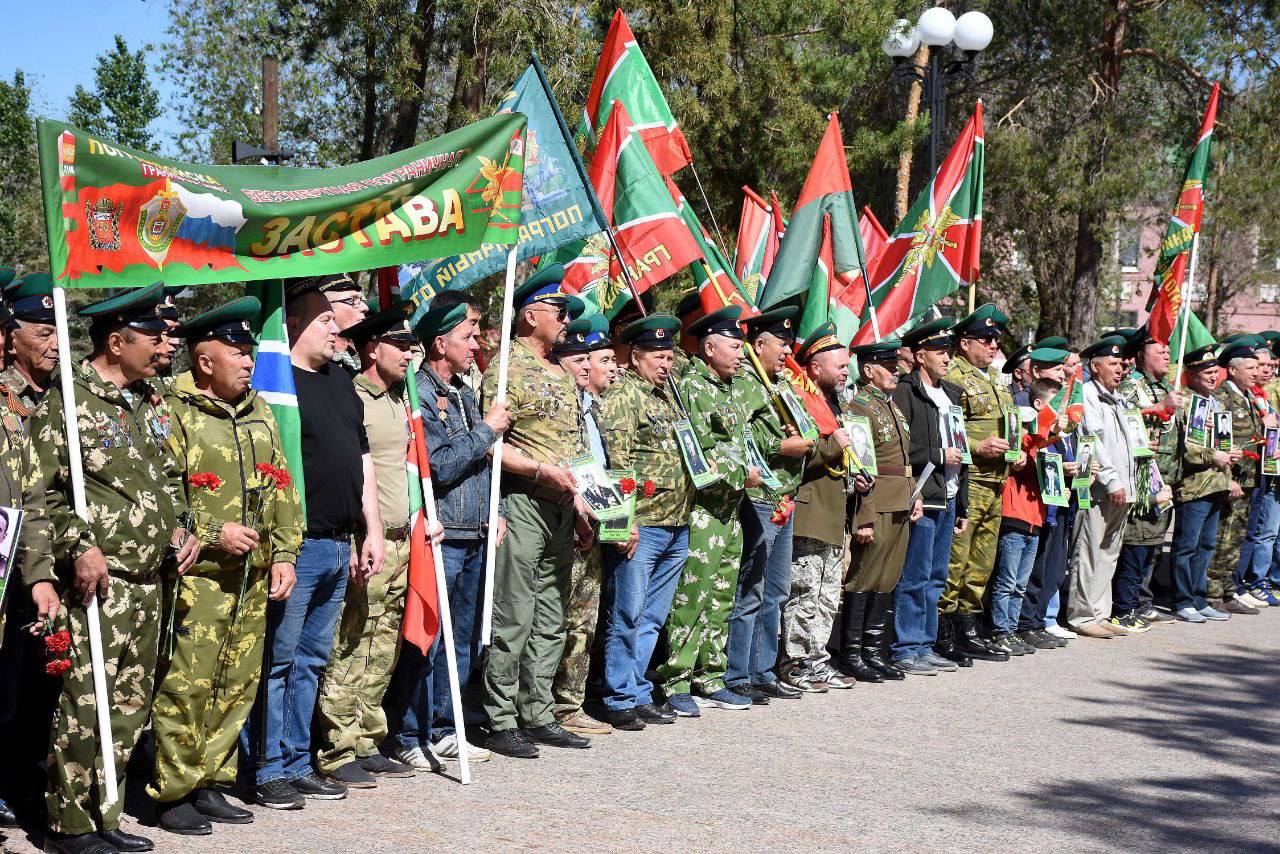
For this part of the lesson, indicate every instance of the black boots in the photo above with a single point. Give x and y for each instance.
(876, 636)
(968, 642)
(853, 614)
(945, 645)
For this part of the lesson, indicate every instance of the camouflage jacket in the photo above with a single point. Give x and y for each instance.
(1198, 477)
(638, 421)
(231, 441)
(1138, 391)
(20, 396)
(546, 413)
(1246, 431)
(766, 430)
(1272, 390)
(21, 486)
(892, 438)
(132, 489)
(718, 421)
(985, 400)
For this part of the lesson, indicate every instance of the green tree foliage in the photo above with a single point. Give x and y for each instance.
(22, 242)
(122, 102)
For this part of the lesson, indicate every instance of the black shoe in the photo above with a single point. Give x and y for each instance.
(554, 735)
(214, 806)
(1033, 639)
(968, 642)
(853, 615)
(311, 786)
(627, 720)
(122, 841)
(278, 795)
(945, 645)
(1004, 643)
(182, 818)
(352, 776)
(84, 843)
(512, 742)
(746, 689)
(875, 637)
(651, 714)
(778, 690)
(383, 766)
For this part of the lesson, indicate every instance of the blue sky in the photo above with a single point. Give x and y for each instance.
(55, 42)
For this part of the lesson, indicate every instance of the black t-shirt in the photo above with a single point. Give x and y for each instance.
(333, 441)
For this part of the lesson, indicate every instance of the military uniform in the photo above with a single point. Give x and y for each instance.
(973, 551)
(697, 626)
(1246, 431)
(134, 500)
(534, 560)
(209, 677)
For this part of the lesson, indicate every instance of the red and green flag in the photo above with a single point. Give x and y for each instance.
(623, 75)
(935, 250)
(827, 192)
(422, 599)
(874, 240)
(1184, 225)
(758, 239)
(652, 237)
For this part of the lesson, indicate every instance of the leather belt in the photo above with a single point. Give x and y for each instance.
(398, 535)
(332, 534)
(895, 471)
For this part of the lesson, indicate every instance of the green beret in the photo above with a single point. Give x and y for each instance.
(820, 340)
(439, 321)
(721, 322)
(656, 332)
(778, 322)
(391, 324)
(134, 307)
(1110, 345)
(986, 321)
(1049, 356)
(934, 335)
(230, 322)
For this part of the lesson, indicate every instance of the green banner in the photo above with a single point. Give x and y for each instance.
(120, 218)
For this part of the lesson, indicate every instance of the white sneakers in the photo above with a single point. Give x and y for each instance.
(1059, 632)
(1251, 601)
(447, 748)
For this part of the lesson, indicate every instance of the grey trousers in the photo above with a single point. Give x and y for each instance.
(1095, 545)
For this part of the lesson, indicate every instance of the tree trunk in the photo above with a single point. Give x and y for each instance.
(368, 140)
(408, 112)
(1085, 284)
(901, 195)
(469, 89)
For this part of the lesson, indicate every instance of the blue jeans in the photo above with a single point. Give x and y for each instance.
(423, 703)
(302, 628)
(637, 595)
(1135, 562)
(1014, 560)
(1257, 552)
(924, 575)
(764, 582)
(1195, 533)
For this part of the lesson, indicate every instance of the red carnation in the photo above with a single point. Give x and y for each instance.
(205, 480)
(782, 512)
(57, 667)
(649, 489)
(279, 476)
(57, 643)
(1250, 455)
(627, 485)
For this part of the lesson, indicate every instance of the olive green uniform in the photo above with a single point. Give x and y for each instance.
(1246, 430)
(534, 559)
(218, 608)
(21, 487)
(973, 551)
(134, 500)
(877, 566)
(697, 626)
(1147, 524)
(18, 400)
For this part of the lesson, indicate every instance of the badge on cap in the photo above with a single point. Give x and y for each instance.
(988, 322)
(659, 333)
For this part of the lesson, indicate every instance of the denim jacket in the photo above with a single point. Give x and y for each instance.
(458, 442)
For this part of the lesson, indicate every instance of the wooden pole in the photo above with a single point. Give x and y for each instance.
(270, 103)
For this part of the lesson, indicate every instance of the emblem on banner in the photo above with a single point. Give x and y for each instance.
(158, 221)
(103, 220)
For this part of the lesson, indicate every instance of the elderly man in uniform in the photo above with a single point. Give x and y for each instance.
(926, 399)
(881, 524)
(250, 522)
(32, 343)
(818, 554)
(764, 579)
(1248, 425)
(368, 636)
(117, 556)
(1099, 530)
(544, 514)
(638, 416)
(985, 402)
(588, 341)
(169, 341)
(697, 626)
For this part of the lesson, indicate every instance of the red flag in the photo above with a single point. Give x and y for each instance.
(811, 396)
(874, 240)
(421, 603)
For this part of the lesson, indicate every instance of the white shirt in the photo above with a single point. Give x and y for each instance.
(943, 403)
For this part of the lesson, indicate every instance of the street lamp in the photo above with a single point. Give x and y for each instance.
(954, 44)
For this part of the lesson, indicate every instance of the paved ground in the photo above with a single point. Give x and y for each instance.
(1166, 741)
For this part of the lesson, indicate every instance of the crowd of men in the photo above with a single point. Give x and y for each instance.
(251, 615)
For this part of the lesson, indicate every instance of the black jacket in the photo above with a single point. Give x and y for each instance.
(926, 441)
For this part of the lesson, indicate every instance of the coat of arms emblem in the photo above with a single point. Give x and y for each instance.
(158, 221)
(103, 221)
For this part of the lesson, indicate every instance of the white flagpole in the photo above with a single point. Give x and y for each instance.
(106, 744)
(1185, 308)
(495, 484)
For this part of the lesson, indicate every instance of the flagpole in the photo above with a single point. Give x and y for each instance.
(442, 599)
(698, 180)
(1185, 308)
(106, 743)
(495, 475)
(866, 284)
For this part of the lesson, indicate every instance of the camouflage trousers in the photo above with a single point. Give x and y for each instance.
(973, 552)
(209, 682)
(569, 689)
(1231, 531)
(817, 576)
(130, 623)
(698, 625)
(365, 648)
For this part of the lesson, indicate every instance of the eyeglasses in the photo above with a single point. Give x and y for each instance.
(561, 310)
(351, 301)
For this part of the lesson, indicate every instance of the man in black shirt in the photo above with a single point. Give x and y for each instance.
(341, 503)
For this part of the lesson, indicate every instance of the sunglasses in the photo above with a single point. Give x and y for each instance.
(561, 310)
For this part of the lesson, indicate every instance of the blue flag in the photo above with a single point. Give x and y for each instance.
(559, 205)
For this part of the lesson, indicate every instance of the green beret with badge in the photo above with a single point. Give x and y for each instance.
(655, 332)
(1057, 342)
(439, 321)
(137, 308)
(230, 322)
(1049, 356)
